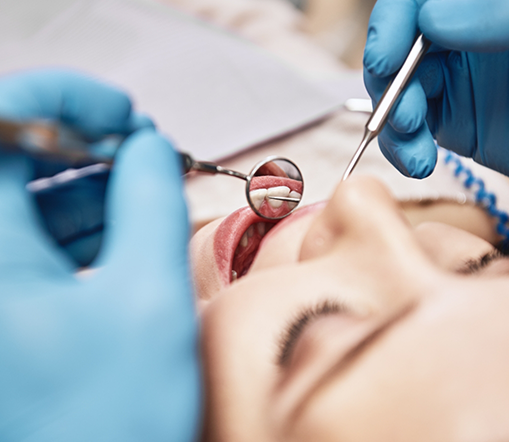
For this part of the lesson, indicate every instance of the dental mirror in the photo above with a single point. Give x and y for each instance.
(274, 188)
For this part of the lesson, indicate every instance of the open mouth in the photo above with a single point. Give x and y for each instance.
(238, 238)
(236, 243)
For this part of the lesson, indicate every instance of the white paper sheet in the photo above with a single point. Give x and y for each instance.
(212, 92)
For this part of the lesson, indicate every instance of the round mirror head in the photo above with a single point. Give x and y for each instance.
(274, 188)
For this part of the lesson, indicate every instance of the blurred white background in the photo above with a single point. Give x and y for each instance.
(340, 26)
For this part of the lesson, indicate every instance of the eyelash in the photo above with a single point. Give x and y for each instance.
(473, 266)
(295, 328)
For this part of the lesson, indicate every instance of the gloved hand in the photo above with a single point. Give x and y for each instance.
(73, 214)
(460, 95)
(110, 355)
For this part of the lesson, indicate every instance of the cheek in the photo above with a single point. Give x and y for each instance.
(450, 247)
(206, 276)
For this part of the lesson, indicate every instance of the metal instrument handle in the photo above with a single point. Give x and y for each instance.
(389, 98)
(381, 113)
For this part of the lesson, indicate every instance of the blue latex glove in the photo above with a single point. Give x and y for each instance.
(460, 95)
(73, 214)
(111, 356)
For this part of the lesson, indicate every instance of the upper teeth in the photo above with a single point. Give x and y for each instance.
(260, 227)
(277, 191)
(259, 195)
(244, 240)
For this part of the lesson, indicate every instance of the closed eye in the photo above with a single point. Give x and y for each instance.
(473, 266)
(292, 332)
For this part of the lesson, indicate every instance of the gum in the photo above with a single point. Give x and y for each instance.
(264, 182)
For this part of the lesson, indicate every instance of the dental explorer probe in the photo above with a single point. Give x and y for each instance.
(384, 107)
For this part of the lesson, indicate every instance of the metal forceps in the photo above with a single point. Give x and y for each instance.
(384, 107)
(274, 186)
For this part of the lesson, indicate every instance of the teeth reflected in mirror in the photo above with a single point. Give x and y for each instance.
(275, 188)
(257, 197)
(281, 191)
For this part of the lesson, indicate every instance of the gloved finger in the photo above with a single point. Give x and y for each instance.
(410, 111)
(146, 216)
(146, 274)
(93, 108)
(375, 85)
(25, 251)
(431, 74)
(108, 147)
(432, 78)
(391, 33)
(467, 25)
(454, 109)
(414, 155)
(73, 212)
(388, 154)
(139, 121)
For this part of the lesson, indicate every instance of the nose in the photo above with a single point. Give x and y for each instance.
(363, 235)
(361, 210)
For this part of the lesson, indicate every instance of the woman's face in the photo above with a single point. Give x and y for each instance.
(350, 325)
